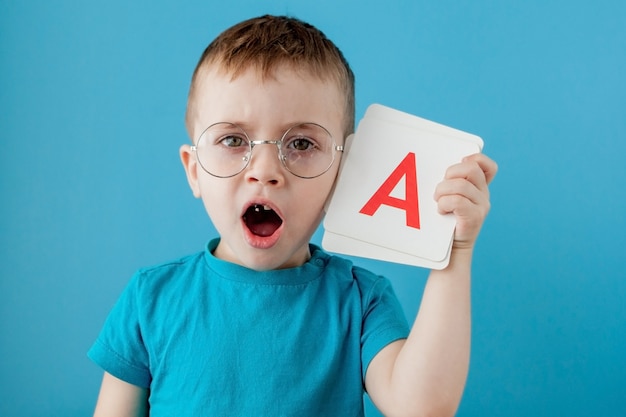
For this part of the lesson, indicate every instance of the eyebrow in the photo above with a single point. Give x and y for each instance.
(249, 129)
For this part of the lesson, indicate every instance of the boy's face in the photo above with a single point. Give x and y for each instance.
(265, 109)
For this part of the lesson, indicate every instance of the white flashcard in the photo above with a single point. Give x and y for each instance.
(382, 206)
(395, 116)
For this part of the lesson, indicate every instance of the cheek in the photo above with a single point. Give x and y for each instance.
(216, 197)
(316, 194)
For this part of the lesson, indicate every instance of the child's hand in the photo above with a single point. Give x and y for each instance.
(465, 192)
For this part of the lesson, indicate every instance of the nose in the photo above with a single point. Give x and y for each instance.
(265, 166)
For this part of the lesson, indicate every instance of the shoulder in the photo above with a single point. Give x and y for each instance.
(173, 266)
(344, 269)
(176, 272)
(153, 290)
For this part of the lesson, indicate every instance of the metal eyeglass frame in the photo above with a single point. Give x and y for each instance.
(278, 142)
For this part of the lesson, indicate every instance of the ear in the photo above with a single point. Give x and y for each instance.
(188, 158)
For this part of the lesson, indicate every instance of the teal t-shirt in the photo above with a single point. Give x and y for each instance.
(212, 338)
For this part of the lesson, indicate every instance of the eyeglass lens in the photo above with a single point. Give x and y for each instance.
(224, 149)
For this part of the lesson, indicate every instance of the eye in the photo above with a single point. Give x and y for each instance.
(233, 141)
(301, 143)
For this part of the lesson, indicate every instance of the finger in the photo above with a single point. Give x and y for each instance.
(468, 170)
(469, 215)
(463, 188)
(454, 203)
(486, 164)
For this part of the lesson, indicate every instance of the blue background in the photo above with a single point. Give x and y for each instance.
(92, 98)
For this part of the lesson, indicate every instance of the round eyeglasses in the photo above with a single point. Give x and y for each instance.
(307, 150)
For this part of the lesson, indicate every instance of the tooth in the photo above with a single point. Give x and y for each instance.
(267, 208)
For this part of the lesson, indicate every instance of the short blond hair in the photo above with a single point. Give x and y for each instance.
(267, 42)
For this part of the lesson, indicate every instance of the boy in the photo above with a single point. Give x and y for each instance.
(262, 322)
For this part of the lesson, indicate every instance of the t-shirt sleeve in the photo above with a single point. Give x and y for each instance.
(119, 349)
(383, 320)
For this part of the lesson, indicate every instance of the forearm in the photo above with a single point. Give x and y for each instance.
(431, 368)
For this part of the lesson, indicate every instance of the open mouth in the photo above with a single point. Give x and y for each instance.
(261, 220)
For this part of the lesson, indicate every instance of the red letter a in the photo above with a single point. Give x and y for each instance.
(410, 205)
